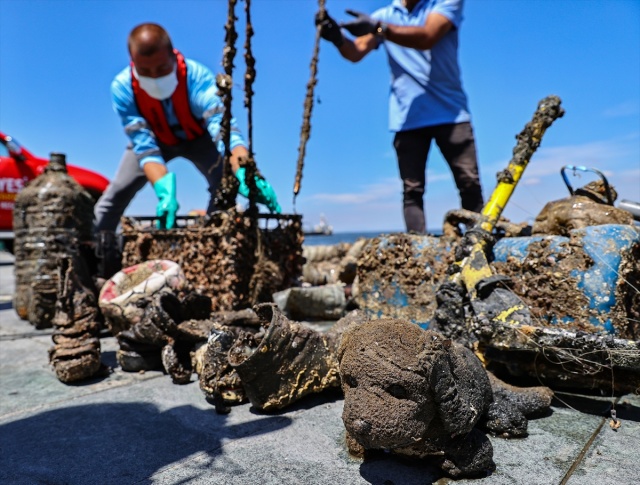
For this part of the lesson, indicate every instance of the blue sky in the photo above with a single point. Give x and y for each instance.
(58, 57)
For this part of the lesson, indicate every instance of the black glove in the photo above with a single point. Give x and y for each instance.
(330, 30)
(362, 25)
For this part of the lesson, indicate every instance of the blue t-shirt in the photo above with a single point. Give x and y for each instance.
(203, 101)
(426, 88)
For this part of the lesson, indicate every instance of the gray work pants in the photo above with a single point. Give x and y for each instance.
(130, 178)
(457, 144)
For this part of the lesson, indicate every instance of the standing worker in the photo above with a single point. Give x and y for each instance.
(169, 108)
(427, 101)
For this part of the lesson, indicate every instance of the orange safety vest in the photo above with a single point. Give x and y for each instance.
(151, 109)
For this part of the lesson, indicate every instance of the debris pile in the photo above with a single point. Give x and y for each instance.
(52, 222)
(562, 305)
(143, 312)
(328, 264)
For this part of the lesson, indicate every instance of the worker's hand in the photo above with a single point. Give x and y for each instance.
(329, 30)
(362, 25)
(167, 207)
(266, 194)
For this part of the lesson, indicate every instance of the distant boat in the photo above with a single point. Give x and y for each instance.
(321, 229)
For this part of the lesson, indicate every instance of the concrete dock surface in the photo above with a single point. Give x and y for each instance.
(129, 428)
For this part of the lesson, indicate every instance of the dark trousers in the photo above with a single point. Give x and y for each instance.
(130, 178)
(458, 147)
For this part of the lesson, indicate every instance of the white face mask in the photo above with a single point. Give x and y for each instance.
(158, 87)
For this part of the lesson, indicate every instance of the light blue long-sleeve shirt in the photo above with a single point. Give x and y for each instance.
(426, 86)
(203, 101)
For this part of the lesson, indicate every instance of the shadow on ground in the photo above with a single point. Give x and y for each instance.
(116, 443)
(598, 406)
(413, 471)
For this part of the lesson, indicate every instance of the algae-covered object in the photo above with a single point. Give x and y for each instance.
(75, 354)
(326, 302)
(290, 362)
(51, 216)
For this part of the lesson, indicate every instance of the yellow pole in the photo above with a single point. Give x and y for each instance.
(474, 266)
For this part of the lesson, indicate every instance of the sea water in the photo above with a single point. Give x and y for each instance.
(350, 237)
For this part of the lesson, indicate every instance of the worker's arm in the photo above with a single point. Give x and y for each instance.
(422, 38)
(416, 37)
(154, 171)
(355, 50)
(352, 50)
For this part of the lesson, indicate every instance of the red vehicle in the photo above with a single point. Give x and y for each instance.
(18, 166)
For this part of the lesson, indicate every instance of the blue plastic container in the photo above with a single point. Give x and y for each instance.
(605, 245)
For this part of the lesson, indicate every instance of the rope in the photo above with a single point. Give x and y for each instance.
(249, 77)
(305, 131)
(226, 195)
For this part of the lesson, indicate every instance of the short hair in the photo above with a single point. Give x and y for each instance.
(149, 38)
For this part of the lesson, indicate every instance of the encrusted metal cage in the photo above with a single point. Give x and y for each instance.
(235, 259)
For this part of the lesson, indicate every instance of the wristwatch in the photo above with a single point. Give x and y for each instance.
(381, 29)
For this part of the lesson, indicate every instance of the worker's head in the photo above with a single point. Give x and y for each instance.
(153, 59)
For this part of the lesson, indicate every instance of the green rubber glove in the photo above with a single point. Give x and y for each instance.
(266, 194)
(167, 207)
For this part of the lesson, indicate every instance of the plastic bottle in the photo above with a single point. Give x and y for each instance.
(52, 214)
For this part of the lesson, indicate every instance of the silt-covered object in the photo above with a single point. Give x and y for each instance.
(51, 216)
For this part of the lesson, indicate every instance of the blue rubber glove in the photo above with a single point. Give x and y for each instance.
(266, 194)
(362, 25)
(167, 207)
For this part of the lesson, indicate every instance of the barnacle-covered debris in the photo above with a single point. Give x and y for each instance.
(329, 264)
(288, 360)
(327, 302)
(76, 352)
(124, 296)
(587, 206)
(51, 219)
(219, 382)
(398, 274)
(226, 256)
(581, 292)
